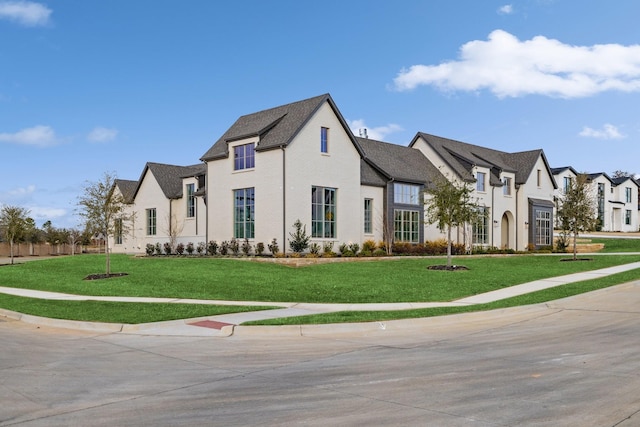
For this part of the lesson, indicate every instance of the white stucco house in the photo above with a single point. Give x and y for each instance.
(300, 161)
(615, 199)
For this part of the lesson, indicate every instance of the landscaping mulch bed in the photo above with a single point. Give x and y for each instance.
(447, 267)
(104, 276)
(577, 259)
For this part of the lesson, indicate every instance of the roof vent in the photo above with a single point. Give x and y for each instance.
(363, 133)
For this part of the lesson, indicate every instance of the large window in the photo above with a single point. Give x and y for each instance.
(406, 226)
(323, 212)
(368, 215)
(191, 201)
(244, 212)
(543, 228)
(600, 199)
(324, 140)
(244, 156)
(480, 181)
(481, 227)
(406, 194)
(151, 222)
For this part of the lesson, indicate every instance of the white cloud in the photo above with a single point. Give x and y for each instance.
(509, 67)
(46, 213)
(22, 191)
(27, 13)
(101, 134)
(377, 133)
(608, 131)
(507, 9)
(40, 136)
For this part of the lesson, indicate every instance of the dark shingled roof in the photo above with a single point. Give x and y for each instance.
(559, 170)
(462, 157)
(169, 177)
(398, 162)
(619, 180)
(127, 189)
(275, 127)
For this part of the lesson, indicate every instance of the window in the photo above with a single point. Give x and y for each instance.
(368, 214)
(151, 222)
(506, 186)
(627, 192)
(323, 212)
(543, 228)
(481, 227)
(324, 140)
(480, 178)
(539, 178)
(406, 226)
(191, 201)
(118, 231)
(567, 184)
(244, 213)
(244, 156)
(627, 217)
(406, 194)
(600, 200)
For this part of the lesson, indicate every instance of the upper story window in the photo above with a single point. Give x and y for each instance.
(567, 184)
(406, 194)
(506, 186)
(244, 156)
(627, 192)
(539, 178)
(191, 201)
(480, 181)
(324, 140)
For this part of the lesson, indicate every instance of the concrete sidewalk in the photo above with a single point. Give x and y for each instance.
(223, 325)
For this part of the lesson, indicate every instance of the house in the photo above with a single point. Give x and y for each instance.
(300, 161)
(515, 190)
(615, 199)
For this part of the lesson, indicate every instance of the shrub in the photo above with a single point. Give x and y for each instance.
(347, 253)
(342, 248)
(246, 247)
(273, 247)
(200, 248)
(369, 246)
(167, 248)
(379, 252)
(234, 246)
(259, 248)
(158, 249)
(354, 247)
(150, 249)
(327, 249)
(224, 248)
(190, 248)
(314, 248)
(180, 248)
(212, 247)
(299, 239)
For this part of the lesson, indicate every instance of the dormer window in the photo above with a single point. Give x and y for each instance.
(480, 184)
(506, 186)
(244, 156)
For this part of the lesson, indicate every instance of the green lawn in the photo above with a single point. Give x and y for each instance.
(617, 245)
(373, 281)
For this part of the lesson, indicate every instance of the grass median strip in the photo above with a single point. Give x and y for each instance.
(116, 312)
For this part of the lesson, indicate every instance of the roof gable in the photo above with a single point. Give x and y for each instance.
(127, 188)
(169, 177)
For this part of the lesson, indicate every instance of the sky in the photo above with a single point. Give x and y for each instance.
(104, 86)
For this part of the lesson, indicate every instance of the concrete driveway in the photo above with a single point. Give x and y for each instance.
(574, 362)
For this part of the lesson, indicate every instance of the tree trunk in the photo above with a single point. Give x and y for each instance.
(11, 250)
(449, 246)
(575, 245)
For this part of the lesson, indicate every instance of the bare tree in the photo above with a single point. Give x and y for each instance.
(13, 225)
(101, 207)
(73, 237)
(577, 211)
(173, 228)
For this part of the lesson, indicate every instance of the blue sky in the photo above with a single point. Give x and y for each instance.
(88, 87)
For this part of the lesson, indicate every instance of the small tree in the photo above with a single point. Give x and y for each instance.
(100, 207)
(449, 205)
(299, 239)
(577, 211)
(13, 225)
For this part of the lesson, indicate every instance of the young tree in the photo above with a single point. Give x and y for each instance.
(299, 239)
(100, 207)
(577, 210)
(449, 205)
(13, 225)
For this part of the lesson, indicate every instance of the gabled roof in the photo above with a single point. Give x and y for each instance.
(275, 127)
(461, 157)
(592, 176)
(558, 171)
(169, 177)
(127, 189)
(621, 179)
(398, 163)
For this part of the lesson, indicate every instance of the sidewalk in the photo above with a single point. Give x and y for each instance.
(224, 325)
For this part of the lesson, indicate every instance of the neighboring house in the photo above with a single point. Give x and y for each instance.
(300, 161)
(615, 199)
(163, 207)
(515, 190)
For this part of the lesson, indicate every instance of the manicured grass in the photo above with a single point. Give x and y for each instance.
(391, 280)
(617, 245)
(116, 312)
(532, 298)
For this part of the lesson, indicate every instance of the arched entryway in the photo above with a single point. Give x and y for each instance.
(507, 240)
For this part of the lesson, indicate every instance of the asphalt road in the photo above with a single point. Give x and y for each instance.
(574, 362)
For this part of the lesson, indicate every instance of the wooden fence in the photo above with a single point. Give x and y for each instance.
(45, 249)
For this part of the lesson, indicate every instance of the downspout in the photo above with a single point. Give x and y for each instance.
(517, 211)
(284, 202)
(170, 220)
(493, 206)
